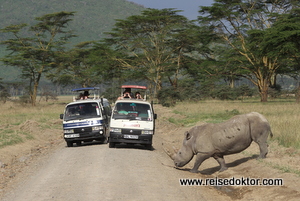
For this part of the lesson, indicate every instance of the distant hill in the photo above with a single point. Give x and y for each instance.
(92, 18)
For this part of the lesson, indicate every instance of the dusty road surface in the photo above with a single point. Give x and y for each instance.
(95, 172)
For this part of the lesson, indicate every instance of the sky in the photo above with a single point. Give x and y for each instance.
(190, 7)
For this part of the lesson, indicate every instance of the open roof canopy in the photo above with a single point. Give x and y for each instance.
(86, 89)
(133, 87)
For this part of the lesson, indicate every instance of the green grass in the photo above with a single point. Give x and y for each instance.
(192, 118)
(282, 168)
(9, 137)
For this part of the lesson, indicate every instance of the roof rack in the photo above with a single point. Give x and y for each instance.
(85, 94)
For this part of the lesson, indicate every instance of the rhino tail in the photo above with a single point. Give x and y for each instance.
(271, 134)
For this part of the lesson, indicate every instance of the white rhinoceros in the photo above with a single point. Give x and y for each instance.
(217, 140)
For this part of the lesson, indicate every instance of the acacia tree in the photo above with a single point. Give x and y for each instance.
(147, 40)
(35, 54)
(87, 64)
(283, 40)
(232, 21)
(73, 66)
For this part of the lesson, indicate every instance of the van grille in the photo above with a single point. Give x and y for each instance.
(131, 131)
(83, 130)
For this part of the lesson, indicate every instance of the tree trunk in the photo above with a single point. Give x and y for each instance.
(297, 94)
(34, 94)
(34, 91)
(231, 83)
(263, 89)
(273, 80)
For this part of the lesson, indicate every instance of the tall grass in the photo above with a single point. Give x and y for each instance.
(15, 114)
(283, 115)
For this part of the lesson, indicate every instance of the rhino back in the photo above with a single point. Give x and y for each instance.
(231, 136)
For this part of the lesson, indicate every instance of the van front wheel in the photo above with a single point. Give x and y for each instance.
(70, 144)
(148, 146)
(111, 145)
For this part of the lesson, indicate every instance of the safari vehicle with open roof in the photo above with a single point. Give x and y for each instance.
(132, 120)
(86, 118)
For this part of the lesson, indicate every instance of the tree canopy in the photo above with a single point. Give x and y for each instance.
(35, 54)
(241, 24)
(256, 40)
(153, 44)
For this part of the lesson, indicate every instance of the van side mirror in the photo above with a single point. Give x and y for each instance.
(155, 116)
(61, 116)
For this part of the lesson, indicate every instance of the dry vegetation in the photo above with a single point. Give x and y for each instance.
(15, 116)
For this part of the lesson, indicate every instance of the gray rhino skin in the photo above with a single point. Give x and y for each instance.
(229, 137)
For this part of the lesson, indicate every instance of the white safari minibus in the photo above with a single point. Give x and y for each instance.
(132, 121)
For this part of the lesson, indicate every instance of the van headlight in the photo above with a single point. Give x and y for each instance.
(115, 130)
(97, 128)
(147, 132)
(69, 131)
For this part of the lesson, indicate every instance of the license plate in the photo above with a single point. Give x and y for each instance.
(131, 136)
(71, 135)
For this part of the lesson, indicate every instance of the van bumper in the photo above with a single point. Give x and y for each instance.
(85, 136)
(130, 139)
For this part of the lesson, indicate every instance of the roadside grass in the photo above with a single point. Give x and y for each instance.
(282, 168)
(282, 114)
(14, 115)
(9, 137)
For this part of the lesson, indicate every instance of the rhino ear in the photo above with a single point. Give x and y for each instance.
(187, 135)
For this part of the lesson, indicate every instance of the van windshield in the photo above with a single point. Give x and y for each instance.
(132, 111)
(82, 111)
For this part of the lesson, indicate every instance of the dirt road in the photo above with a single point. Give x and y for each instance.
(95, 172)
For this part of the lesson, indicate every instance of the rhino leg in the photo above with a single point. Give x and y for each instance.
(263, 148)
(199, 159)
(221, 161)
(262, 143)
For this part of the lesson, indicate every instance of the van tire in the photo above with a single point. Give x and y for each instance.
(148, 146)
(111, 145)
(105, 141)
(69, 144)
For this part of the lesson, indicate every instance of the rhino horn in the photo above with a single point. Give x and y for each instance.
(169, 153)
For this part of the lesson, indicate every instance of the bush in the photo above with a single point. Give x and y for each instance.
(224, 92)
(25, 99)
(244, 91)
(4, 95)
(167, 96)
